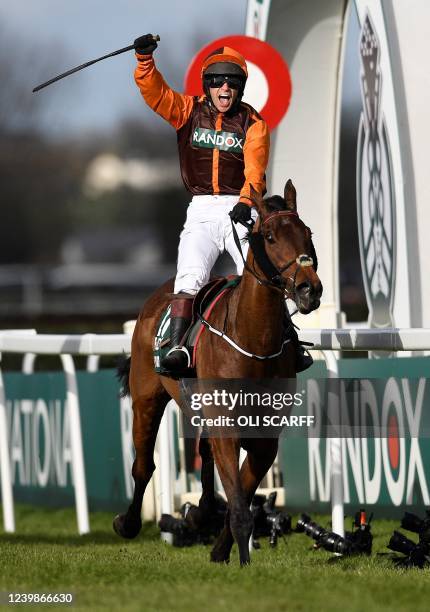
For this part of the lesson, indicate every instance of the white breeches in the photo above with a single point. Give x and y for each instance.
(207, 233)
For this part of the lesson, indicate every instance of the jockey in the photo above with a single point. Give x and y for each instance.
(223, 148)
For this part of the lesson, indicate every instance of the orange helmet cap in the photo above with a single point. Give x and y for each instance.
(225, 55)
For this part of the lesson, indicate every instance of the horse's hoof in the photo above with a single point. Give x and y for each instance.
(126, 528)
(219, 556)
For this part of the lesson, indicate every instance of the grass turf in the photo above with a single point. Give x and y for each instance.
(106, 573)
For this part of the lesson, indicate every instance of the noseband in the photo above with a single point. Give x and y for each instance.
(273, 274)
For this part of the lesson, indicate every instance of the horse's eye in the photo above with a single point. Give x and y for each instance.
(269, 237)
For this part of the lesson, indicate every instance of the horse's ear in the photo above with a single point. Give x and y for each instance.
(290, 196)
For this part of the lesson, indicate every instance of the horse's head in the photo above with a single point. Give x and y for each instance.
(283, 250)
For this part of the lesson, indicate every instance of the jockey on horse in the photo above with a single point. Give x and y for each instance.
(223, 149)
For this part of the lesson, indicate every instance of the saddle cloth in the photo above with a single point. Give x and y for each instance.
(203, 303)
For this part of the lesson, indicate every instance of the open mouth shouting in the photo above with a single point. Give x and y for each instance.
(223, 97)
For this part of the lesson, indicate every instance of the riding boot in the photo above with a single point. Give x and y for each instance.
(303, 359)
(177, 359)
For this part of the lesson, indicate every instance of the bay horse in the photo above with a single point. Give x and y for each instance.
(281, 263)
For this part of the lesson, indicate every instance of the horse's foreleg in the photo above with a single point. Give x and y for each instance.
(256, 465)
(200, 517)
(259, 459)
(220, 553)
(207, 500)
(226, 453)
(147, 413)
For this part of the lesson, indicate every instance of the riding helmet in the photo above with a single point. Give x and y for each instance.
(224, 61)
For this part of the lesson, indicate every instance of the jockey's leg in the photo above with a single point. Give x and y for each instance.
(178, 359)
(199, 246)
(197, 254)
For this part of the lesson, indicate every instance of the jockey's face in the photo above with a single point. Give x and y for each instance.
(223, 97)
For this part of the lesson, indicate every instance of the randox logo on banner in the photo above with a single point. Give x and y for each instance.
(396, 459)
(384, 429)
(211, 139)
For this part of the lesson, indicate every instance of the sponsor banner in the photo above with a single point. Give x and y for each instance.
(386, 473)
(40, 445)
(323, 408)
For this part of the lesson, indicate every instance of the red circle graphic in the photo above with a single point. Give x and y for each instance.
(263, 55)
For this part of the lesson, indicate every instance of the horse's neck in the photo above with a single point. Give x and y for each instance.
(259, 313)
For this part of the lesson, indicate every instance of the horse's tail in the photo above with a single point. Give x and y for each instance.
(123, 373)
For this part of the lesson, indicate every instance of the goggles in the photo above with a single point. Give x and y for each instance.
(218, 80)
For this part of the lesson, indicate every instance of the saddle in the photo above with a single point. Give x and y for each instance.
(203, 303)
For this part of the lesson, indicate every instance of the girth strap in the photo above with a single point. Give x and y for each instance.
(238, 348)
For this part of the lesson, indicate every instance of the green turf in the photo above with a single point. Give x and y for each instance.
(106, 573)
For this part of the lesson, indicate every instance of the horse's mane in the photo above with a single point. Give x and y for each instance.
(274, 203)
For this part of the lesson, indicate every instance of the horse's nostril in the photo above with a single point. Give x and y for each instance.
(304, 289)
(309, 292)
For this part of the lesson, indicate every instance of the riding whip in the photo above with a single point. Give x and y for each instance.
(90, 63)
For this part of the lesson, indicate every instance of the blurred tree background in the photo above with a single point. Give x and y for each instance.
(90, 222)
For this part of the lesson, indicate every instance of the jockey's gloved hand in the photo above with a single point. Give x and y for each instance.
(146, 44)
(241, 213)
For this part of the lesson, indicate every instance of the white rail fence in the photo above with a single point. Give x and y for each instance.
(30, 344)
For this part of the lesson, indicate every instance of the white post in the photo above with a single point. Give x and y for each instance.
(166, 489)
(181, 448)
(93, 363)
(6, 482)
(76, 442)
(28, 363)
(336, 460)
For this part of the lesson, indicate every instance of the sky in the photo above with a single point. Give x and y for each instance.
(71, 32)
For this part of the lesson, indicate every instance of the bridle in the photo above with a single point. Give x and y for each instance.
(273, 275)
(273, 279)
